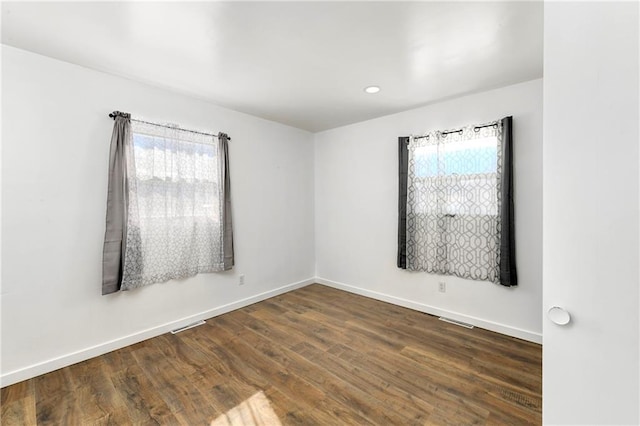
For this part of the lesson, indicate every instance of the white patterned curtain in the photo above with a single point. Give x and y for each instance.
(453, 220)
(175, 208)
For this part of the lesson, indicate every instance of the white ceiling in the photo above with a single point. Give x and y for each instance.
(300, 63)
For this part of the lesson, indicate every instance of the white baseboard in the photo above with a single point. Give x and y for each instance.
(478, 322)
(103, 348)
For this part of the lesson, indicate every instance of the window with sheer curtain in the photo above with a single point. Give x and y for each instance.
(458, 212)
(175, 211)
(175, 204)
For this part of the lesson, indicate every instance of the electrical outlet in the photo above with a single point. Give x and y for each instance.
(442, 287)
(241, 279)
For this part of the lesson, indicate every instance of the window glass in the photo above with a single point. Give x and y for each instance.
(175, 178)
(465, 157)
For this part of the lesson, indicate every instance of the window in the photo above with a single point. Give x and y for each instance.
(179, 173)
(168, 204)
(458, 184)
(175, 211)
(458, 177)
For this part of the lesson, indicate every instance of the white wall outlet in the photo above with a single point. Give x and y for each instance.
(442, 287)
(241, 279)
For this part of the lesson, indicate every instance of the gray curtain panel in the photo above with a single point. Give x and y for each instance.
(227, 231)
(403, 164)
(508, 274)
(114, 238)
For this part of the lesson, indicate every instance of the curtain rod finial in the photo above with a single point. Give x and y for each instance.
(115, 114)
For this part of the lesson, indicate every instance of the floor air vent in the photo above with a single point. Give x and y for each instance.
(452, 321)
(188, 326)
(521, 399)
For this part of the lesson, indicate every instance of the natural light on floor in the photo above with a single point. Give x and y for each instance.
(255, 410)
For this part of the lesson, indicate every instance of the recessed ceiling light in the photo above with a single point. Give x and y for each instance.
(372, 89)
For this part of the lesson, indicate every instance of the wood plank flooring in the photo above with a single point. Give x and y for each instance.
(314, 356)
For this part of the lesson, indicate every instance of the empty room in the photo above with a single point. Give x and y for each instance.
(320, 213)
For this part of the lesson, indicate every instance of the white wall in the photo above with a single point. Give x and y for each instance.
(356, 188)
(591, 213)
(55, 142)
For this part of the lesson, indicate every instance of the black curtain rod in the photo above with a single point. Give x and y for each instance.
(476, 128)
(115, 114)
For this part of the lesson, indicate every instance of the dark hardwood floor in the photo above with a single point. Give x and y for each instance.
(312, 356)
